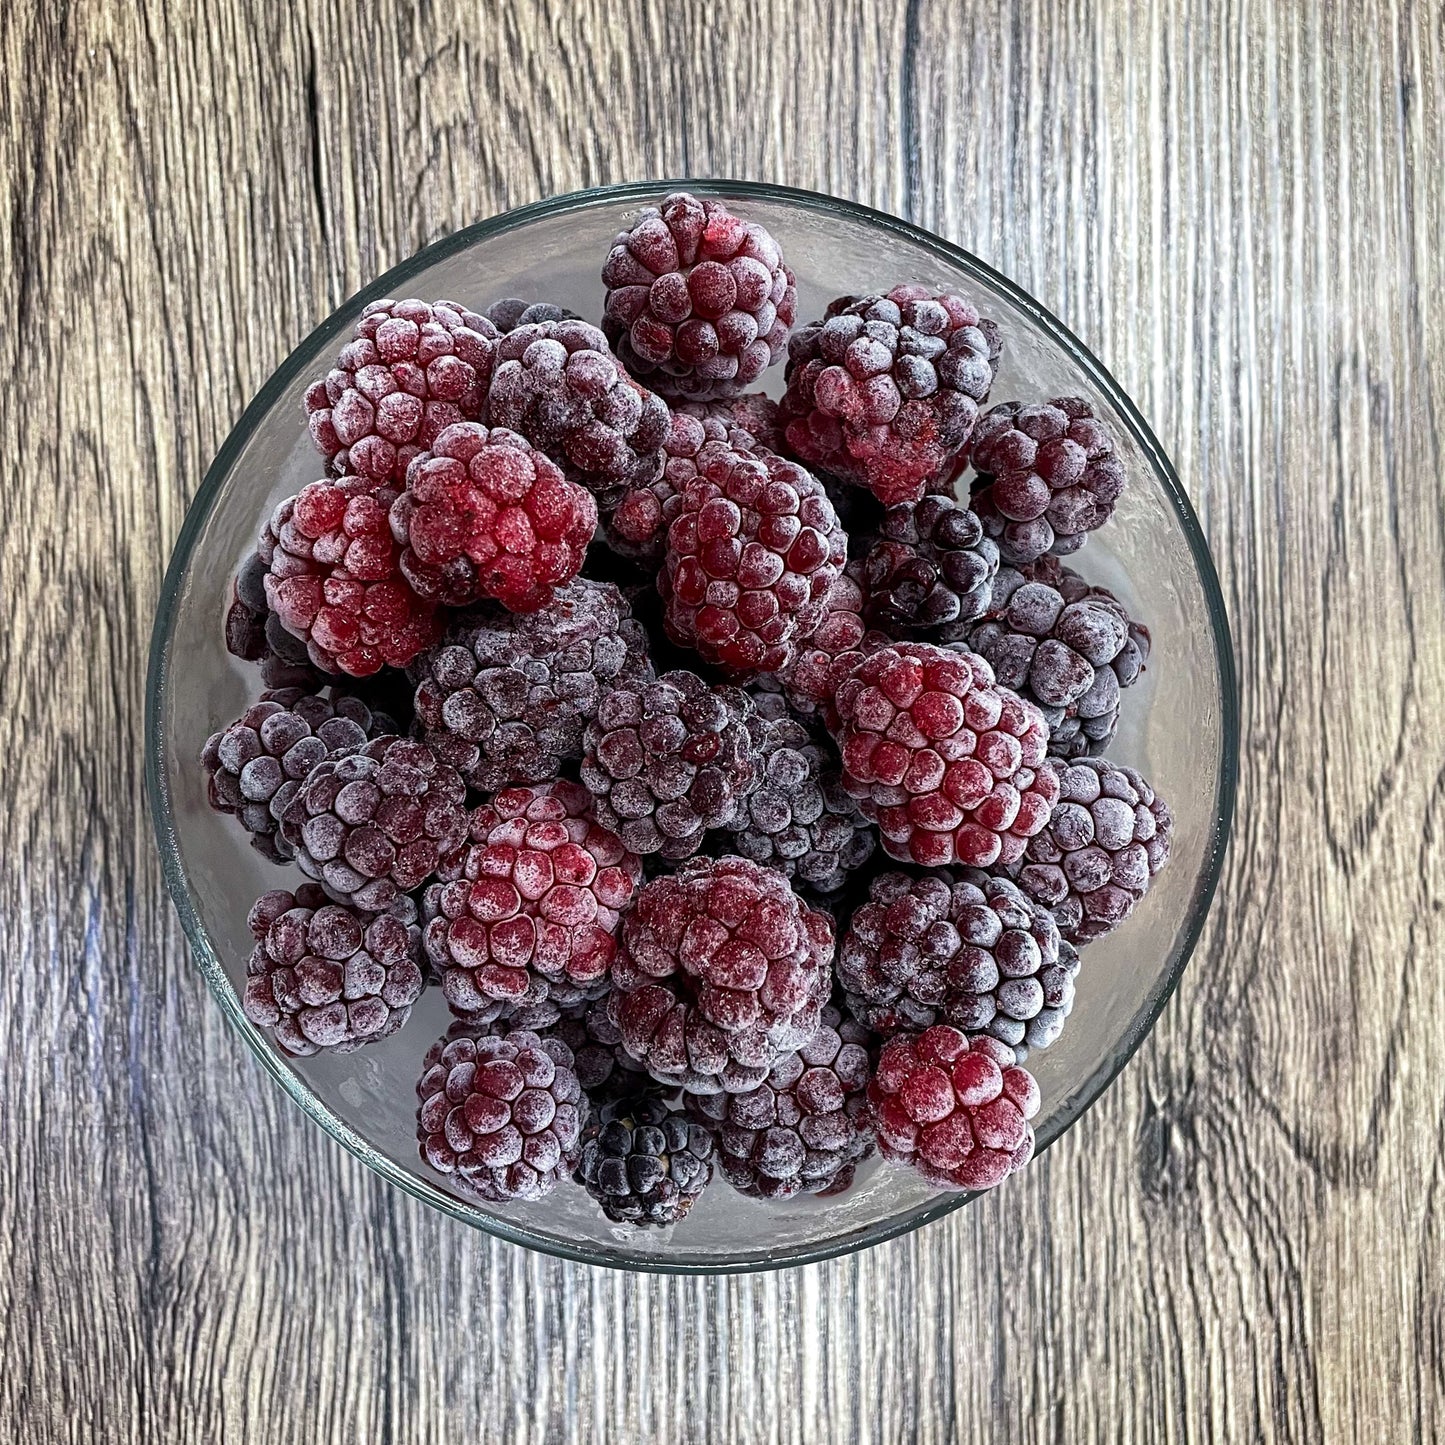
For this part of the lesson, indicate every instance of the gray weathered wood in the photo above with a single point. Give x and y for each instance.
(1239, 206)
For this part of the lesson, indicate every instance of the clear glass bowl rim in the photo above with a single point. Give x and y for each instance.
(394, 283)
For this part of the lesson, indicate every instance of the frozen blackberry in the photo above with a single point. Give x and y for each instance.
(638, 528)
(1108, 837)
(954, 1108)
(667, 759)
(333, 578)
(805, 1128)
(410, 371)
(528, 910)
(644, 1164)
(256, 765)
(512, 311)
(501, 1114)
(885, 390)
(245, 629)
(607, 1071)
(721, 972)
(1047, 476)
(931, 571)
(376, 822)
(753, 551)
(1065, 646)
(946, 763)
(324, 976)
(800, 819)
(559, 385)
(971, 951)
(485, 514)
(699, 301)
(505, 698)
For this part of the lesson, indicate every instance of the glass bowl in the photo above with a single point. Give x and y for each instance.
(1179, 722)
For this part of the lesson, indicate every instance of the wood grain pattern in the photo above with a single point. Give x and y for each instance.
(1238, 205)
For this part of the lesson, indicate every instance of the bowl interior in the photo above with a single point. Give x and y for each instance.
(1178, 722)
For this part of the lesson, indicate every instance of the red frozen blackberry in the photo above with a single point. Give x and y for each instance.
(530, 906)
(643, 1163)
(721, 972)
(334, 580)
(799, 819)
(667, 759)
(512, 311)
(1065, 646)
(505, 698)
(607, 1071)
(931, 571)
(885, 390)
(410, 371)
(956, 1109)
(753, 551)
(501, 1114)
(324, 976)
(699, 301)
(256, 765)
(559, 385)
(1108, 837)
(946, 763)
(638, 527)
(485, 514)
(805, 1128)
(971, 951)
(1047, 476)
(376, 822)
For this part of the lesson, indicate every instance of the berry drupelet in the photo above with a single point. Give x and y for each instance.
(1108, 837)
(946, 763)
(505, 698)
(485, 514)
(528, 910)
(1047, 476)
(411, 370)
(753, 551)
(325, 976)
(376, 822)
(501, 1114)
(699, 301)
(721, 972)
(885, 390)
(667, 759)
(644, 1164)
(1065, 646)
(510, 312)
(559, 385)
(956, 1109)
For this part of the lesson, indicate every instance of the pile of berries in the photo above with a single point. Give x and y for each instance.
(737, 848)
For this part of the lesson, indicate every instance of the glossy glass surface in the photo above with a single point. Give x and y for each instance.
(1179, 724)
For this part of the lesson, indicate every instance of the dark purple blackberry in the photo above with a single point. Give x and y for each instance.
(377, 821)
(699, 301)
(805, 1128)
(607, 1071)
(512, 311)
(559, 385)
(1047, 476)
(931, 571)
(1107, 838)
(972, 951)
(668, 759)
(1066, 646)
(643, 1163)
(324, 976)
(885, 390)
(506, 696)
(501, 1114)
(256, 765)
(246, 617)
(722, 971)
(799, 819)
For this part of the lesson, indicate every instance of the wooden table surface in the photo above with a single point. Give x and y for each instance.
(1239, 205)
